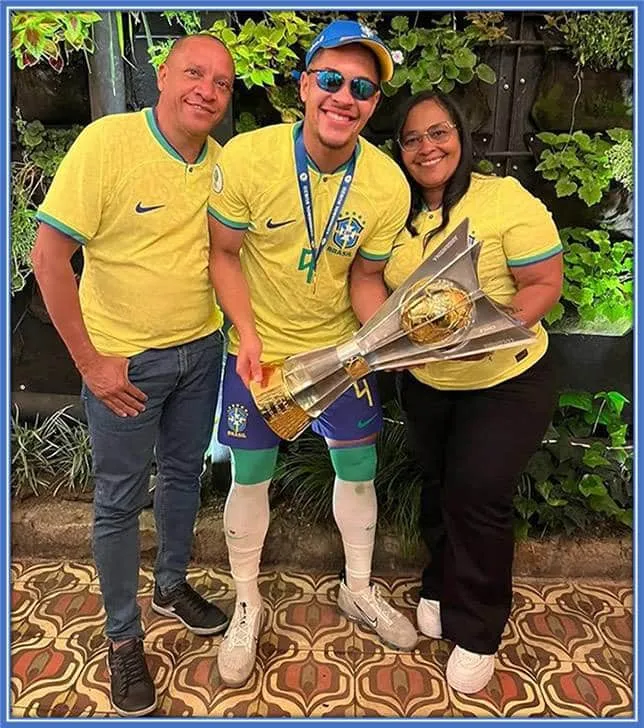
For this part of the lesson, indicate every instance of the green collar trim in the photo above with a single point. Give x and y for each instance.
(156, 132)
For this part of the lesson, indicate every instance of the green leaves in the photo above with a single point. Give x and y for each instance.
(44, 36)
(576, 478)
(465, 58)
(565, 186)
(597, 40)
(597, 278)
(585, 165)
(441, 55)
(486, 73)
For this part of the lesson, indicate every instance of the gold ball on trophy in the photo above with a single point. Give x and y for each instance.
(433, 311)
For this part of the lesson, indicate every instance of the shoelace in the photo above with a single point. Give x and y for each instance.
(131, 665)
(241, 630)
(376, 600)
(194, 600)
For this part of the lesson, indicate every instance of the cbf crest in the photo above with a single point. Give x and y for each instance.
(347, 234)
(217, 179)
(237, 420)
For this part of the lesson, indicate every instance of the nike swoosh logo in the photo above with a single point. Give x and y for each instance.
(373, 621)
(141, 208)
(270, 224)
(363, 423)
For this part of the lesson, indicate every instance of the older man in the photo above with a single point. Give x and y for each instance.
(144, 332)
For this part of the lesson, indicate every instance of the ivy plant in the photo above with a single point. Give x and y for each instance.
(25, 179)
(45, 147)
(596, 40)
(42, 151)
(580, 164)
(439, 56)
(582, 475)
(598, 279)
(261, 50)
(50, 36)
(620, 156)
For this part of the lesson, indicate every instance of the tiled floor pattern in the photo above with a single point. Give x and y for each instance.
(567, 651)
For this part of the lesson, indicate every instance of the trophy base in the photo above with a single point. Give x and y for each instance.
(277, 405)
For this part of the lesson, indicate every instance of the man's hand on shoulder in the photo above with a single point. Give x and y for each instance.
(107, 379)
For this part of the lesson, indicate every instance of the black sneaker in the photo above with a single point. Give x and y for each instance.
(190, 608)
(131, 688)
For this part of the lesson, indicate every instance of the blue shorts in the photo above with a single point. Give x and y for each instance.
(353, 416)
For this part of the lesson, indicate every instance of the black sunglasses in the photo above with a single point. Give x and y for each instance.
(332, 81)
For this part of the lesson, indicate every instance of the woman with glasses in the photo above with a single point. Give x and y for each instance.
(473, 424)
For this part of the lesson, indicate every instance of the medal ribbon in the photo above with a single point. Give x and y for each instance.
(301, 166)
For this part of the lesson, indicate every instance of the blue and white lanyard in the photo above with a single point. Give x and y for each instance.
(302, 168)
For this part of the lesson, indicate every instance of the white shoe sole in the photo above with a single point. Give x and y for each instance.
(203, 631)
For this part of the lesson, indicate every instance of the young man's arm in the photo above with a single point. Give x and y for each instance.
(367, 287)
(233, 296)
(105, 376)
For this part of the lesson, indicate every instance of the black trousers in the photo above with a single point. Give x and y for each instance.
(472, 447)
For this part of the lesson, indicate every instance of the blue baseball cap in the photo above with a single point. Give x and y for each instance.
(343, 32)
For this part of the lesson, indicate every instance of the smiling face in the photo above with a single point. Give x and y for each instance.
(195, 85)
(434, 162)
(334, 120)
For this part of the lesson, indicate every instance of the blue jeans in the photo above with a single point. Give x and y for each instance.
(182, 385)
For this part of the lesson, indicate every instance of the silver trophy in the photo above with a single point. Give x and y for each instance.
(438, 313)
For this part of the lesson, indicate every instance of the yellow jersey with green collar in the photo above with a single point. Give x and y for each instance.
(138, 209)
(515, 229)
(255, 189)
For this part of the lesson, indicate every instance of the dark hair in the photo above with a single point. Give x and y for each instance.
(459, 182)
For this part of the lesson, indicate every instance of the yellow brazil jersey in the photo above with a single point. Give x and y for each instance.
(139, 211)
(515, 229)
(255, 188)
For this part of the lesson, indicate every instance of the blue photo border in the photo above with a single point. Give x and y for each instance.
(5, 593)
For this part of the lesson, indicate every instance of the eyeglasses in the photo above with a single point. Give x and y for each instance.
(437, 134)
(332, 81)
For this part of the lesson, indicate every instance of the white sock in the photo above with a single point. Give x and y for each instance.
(246, 518)
(355, 509)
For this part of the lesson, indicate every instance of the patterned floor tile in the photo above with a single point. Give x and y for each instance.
(54, 705)
(577, 689)
(567, 636)
(390, 685)
(567, 651)
(56, 573)
(42, 671)
(74, 613)
(307, 683)
(311, 621)
(511, 693)
(196, 689)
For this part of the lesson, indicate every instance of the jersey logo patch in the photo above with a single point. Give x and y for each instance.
(346, 234)
(141, 208)
(237, 420)
(217, 179)
(271, 225)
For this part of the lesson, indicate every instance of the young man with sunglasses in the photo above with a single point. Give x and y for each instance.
(313, 209)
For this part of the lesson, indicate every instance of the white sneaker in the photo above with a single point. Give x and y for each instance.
(428, 617)
(238, 649)
(469, 672)
(369, 608)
